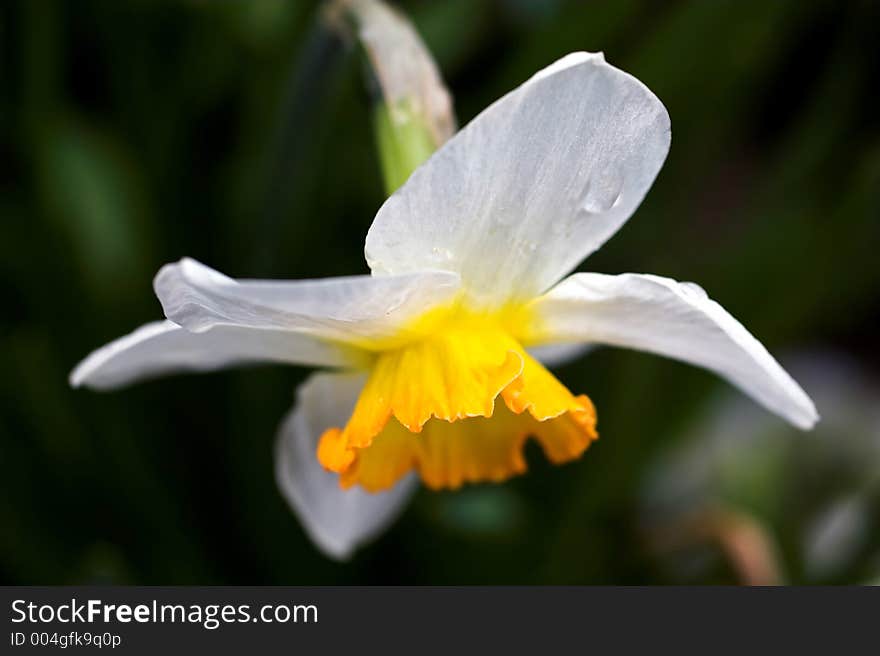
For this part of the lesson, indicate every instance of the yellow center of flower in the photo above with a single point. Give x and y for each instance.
(431, 404)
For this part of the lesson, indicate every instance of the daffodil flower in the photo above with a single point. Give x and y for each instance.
(438, 352)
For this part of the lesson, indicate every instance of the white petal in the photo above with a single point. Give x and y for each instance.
(556, 355)
(406, 71)
(338, 521)
(163, 347)
(530, 187)
(349, 309)
(678, 320)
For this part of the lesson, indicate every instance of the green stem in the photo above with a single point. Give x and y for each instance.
(404, 142)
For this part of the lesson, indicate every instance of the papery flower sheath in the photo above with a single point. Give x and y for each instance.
(436, 355)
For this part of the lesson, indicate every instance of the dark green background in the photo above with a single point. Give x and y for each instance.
(239, 133)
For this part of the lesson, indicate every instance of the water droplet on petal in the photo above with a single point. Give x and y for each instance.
(441, 254)
(693, 290)
(504, 216)
(527, 248)
(601, 193)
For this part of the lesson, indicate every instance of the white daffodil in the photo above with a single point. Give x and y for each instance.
(466, 259)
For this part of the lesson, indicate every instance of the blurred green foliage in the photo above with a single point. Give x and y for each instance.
(239, 133)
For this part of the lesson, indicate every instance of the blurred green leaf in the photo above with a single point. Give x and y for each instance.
(95, 196)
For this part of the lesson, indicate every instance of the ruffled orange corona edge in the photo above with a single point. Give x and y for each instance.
(430, 405)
